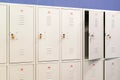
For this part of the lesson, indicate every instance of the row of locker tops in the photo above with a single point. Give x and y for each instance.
(71, 32)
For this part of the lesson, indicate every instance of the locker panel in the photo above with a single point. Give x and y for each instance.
(3, 33)
(71, 22)
(93, 70)
(3, 72)
(71, 71)
(21, 33)
(21, 72)
(95, 34)
(112, 69)
(48, 71)
(48, 35)
(112, 37)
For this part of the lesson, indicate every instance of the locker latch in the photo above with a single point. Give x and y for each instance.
(12, 36)
(63, 36)
(40, 36)
(108, 35)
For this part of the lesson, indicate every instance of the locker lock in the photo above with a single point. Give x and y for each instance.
(40, 36)
(63, 36)
(108, 35)
(12, 36)
(92, 35)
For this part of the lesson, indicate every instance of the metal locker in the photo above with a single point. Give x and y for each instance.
(71, 71)
(3, 72)
(3, 22)
(48, 71)
(71, 34)
(48, 34)
(21, 72)
(112, 37)
(93, 34)
(21, 33)
(111, 69)
(93, 70)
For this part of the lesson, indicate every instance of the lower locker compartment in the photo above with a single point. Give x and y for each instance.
(21, 72)
(3, 72)
(71, 71)
(93, 70)
(112, 69)
(48, 71)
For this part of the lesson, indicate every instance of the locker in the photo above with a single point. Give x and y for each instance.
(48, 34)
(71, 34)
(93, 34)
(71, 71)
(112, 37)
(21, 33)
(3, 72)
(112, 69)
(3, 33)
(48, 71)
(21, 72)
(93, 70)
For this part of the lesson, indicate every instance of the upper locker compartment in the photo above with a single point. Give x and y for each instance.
(3, 23)
(112, 38)
(71, 34)
(93, 34)
(48, 34)
(21, 33)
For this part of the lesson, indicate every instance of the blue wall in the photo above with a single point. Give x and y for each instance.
(93, 4)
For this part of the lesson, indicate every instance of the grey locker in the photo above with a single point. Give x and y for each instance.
(112, 69)
(71, 71)
(48, 35)
(93, 70)
(112, 37)
(93, 34)
(21, 72)
(3, 22)
(21, 33)
(48, 71)
(3, 72)
(71, 34)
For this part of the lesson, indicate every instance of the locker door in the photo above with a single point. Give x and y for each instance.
(112, 37)
(71, 34)
(71, 71)
(48, 71)
(21, 33)
(2, 72)
(95, 34)
(2, 33)
(93, 70)
(111, 70)
(48, 35)
(21, 72)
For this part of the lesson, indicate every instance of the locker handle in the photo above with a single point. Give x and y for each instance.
(109, 36)
(92, 35)
(63, 36)
(12, 36)
(40, 36)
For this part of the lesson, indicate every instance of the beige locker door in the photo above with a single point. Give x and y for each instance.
(93, 70)
(3, 72)
(95, 34)
(48, 35)
(71, 22)
(48, 71)
(111, 68)
(21, 72)
(71, 71)
(3, 23)
(112, 37)
(21, 33)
